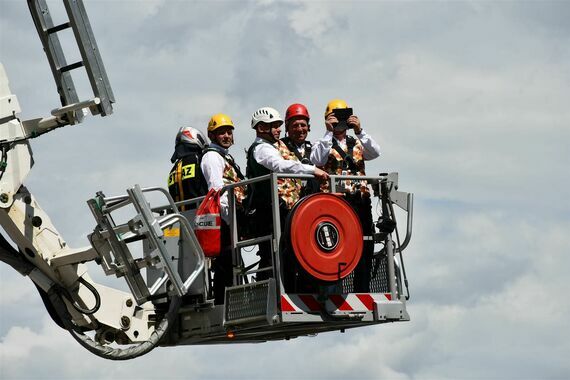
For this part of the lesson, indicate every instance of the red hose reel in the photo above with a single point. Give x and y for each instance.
(326, 236)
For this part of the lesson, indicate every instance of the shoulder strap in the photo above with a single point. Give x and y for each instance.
(234, 165)
(287, 141)
(179, 180)
(229, 159)
(350, 143)
(338, 149)
(308, 147)
(292, 148)
(347, 157)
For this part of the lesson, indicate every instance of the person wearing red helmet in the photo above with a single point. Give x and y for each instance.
(297, 128)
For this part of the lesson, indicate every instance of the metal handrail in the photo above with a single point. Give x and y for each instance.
(175, 217)
(410, 216)
(333, 178)
(198, 200)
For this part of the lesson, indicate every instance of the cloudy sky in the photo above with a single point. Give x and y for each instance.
(469, 102)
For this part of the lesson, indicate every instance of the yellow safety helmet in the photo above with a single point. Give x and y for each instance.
(335, 104)
(219, 120)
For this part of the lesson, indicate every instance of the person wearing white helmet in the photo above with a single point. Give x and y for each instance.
(185, 180)
(265, 156)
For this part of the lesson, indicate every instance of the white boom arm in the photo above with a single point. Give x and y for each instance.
(91, 306)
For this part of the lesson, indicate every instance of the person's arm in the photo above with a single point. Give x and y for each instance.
(371, 147)
(321, 149)
(269, 157)
(213, 169)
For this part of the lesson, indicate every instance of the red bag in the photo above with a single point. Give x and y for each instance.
(207, 225)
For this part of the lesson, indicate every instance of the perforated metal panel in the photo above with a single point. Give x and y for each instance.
(250, 303)
(378, 277)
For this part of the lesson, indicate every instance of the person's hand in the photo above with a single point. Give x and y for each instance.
(321, 174)
(354, 122)
(330, 122)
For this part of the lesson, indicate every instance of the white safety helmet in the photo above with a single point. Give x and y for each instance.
(191, 136)
(265, 115)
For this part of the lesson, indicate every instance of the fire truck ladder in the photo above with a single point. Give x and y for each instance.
(71, 110)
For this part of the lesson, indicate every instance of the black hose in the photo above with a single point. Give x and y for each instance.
(107, 352)
(14, 258)
(17, 261)
(54, 297)
(92, 289)
(3, 160)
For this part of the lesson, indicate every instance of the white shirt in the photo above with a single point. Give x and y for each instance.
(322, 147)
(269, 157)
(301, 149)
(213, 165)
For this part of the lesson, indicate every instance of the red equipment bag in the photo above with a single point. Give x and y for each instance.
(207, 225)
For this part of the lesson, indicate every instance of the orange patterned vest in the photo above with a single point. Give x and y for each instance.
(337, 165)
(231, 176)
(289, 189)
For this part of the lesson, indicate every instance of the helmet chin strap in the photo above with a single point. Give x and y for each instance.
(268, 136)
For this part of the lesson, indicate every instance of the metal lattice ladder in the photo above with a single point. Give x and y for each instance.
(90, 60)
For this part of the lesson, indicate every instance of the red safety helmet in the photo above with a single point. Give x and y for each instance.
(295, 110)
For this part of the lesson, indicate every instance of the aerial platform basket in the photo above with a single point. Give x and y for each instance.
(254, 311)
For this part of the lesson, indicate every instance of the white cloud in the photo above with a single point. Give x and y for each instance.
(12, 289)
(19, 342)
(311, 20)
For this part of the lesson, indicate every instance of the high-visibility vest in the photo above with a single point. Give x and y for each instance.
(186, 180)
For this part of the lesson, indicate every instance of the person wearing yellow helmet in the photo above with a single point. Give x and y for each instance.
(338, 120)
(220, 169)
(218, 165)
(341, 154)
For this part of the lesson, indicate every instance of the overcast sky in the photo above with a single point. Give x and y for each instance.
(469, 102)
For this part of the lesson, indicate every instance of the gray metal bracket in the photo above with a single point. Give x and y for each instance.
(110, 241)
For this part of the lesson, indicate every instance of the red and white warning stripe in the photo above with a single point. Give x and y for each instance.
(309, 303)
